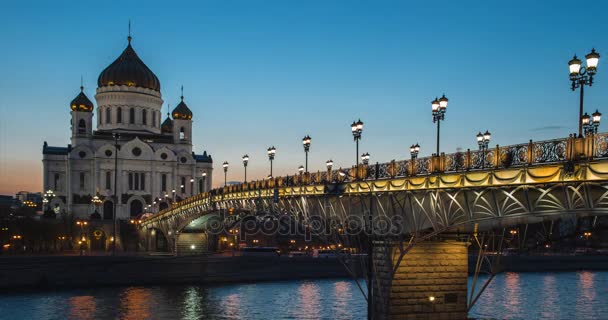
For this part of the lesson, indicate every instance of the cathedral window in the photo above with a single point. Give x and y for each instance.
(163, 182)
(154, 118)
(144, 116)
(137, 181)
(119, 115)
(82, 126)
(132, 116)
(108, 180)
(108, 115)
(56, 181)
(82, 181)
(200, 185)
(182, 134)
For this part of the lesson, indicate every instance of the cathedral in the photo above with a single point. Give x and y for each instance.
(133, 160)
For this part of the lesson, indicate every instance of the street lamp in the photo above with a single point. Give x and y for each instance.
(116, 137)
(271, 152)
(329, 163)
(225, 165)
(414, 149)
(48, 197)
(301, 169)
(306, 142)
(96, 202)
(580, 77)
(173, 191)
(82, 243)
(365, 158)
(245, 161)
(438, 108)
(591, 123)
(191, 186)
(357, 129)
(483, 140)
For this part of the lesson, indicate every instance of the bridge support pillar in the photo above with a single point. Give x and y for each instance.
(430, 282)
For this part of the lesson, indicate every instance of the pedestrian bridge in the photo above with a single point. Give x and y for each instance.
(502, 186)
(411, 204)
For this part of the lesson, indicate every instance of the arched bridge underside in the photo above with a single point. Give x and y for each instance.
(407, 205)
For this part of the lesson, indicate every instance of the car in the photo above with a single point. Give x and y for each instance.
(260, 251)
(296, 254)
(582, 251)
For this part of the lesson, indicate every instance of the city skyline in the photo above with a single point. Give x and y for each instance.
(256, 79)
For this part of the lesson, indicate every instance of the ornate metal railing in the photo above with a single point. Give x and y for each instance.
(518, 155)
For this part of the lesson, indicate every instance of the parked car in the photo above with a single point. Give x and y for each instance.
(260, 251)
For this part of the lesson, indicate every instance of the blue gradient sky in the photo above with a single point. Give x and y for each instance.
(261, 73)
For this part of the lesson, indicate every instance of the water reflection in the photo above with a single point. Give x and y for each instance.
(82, 307)
(136, 303)
(559, 295)
(586, 291)
(550, 297)
(568, 295)
(308, 301)
(342, 297)
(512, 293)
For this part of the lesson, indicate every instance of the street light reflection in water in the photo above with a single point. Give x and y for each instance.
(560, 295)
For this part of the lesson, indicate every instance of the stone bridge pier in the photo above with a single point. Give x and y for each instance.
(430, 282)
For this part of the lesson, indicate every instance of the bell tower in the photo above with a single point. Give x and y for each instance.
(82, 117)
(182, 122)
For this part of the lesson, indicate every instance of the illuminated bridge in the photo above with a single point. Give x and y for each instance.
(420, 207)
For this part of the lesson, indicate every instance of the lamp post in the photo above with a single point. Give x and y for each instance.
(365, 158)
(306, 142)
(173, 191)
(483, 140)
(301, 169)
(271, 152)
(245, 162)
(96, 202)
(329, 163)
(225, 165)
(82, 241)
(438, 108)
(414, 149)
(116, 136)
(191, 186)
(204, 181)
(591, 123)
(357, 130)
(48, 197)
(582, 76)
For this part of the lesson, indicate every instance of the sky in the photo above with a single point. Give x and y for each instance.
(258, 73)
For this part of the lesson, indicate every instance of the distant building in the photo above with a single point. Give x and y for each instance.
(23, 196)
(154, 157)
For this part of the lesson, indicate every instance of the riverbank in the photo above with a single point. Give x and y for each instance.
(50, 272)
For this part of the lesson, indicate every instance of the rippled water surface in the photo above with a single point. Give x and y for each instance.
(568, 295)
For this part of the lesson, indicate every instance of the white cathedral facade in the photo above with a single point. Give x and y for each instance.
(154, 163)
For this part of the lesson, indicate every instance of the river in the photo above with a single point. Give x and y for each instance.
(564, 295)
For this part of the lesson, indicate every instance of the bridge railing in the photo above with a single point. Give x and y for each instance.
(500, 157)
